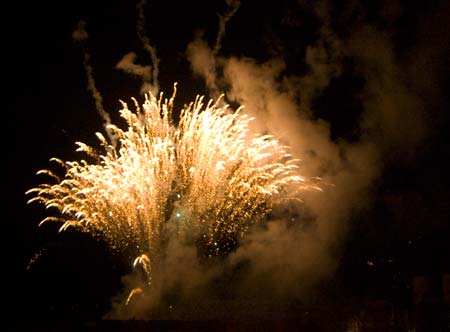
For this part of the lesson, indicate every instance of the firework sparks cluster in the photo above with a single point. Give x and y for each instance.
(207, 178)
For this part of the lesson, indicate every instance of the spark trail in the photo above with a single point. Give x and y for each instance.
(207, 178)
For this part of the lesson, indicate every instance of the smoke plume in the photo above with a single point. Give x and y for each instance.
(287, 256)
(300, 243)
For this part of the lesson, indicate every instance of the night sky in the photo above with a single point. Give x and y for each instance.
(401, 230)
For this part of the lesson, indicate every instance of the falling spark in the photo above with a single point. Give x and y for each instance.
(33, 259)
(208, 178)
(133, 293)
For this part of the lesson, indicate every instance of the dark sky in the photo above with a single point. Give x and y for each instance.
(406, 221)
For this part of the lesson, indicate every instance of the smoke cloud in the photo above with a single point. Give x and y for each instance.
(288, 255)
(204, 63)
(128, 65)
(203, 59)
(347, 171)
(285, 257)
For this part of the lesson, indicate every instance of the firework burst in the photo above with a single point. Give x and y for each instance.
(206, 178)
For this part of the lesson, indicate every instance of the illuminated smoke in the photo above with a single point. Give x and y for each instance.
(148, 74)
(233, 6)
(129, 66)
(151, 50)
(203, 63)
(392, 124)
(80, 36)
(204, 59)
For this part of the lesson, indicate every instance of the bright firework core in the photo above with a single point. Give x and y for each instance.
(204, 180)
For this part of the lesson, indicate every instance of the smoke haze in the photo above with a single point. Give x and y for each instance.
(287, 256)
(300, 244)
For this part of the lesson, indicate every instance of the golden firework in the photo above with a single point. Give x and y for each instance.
(207, 178)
